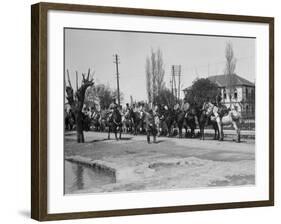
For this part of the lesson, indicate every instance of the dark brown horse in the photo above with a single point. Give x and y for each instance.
(137, 120)
(205, 120)
(114, 123)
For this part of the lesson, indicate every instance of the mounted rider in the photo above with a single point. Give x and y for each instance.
(210, 108)
(127, 110)
(176, 108)
(215, 108)
(222, 109)
(112, 107)
(141, 109)
(165, 112)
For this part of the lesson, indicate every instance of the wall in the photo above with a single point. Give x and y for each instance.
(15, 112)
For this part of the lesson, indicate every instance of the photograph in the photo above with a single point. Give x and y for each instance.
(154, 111)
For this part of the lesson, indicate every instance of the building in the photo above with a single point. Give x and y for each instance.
(236, 92)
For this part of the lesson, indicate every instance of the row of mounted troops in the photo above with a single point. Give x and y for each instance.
(158, 120)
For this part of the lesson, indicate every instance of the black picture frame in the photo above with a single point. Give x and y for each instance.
(39, 106)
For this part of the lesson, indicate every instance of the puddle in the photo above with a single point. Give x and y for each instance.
(81, 177)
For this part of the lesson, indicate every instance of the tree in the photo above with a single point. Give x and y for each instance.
(154, 69)
(148, 80)
(165, 97)
(201, 91)
(76, 101)
(102, 95)
(160, 72)
(229, 70)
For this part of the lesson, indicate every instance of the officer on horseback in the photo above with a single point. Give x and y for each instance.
(112, 107)
(222, 109)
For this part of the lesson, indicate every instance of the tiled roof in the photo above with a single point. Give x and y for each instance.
(226, 80)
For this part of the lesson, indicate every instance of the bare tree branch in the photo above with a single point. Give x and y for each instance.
(68, 78)
(88, 76)
(76, 81)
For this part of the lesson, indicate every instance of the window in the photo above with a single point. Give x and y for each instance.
(235, 94)
(246, 93)
(224, 94)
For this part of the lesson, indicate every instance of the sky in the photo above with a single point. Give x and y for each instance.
(199, 57)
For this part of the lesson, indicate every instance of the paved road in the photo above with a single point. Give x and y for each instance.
(170, 163)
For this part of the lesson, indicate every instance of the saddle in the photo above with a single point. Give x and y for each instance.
(223, 110)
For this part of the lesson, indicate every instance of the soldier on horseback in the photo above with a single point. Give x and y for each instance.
(222, 115)
(127, 108)
(222, 109)
(112, 107)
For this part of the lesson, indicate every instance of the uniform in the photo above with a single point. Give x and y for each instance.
(150, 126)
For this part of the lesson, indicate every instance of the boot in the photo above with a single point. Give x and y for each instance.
(148, 139)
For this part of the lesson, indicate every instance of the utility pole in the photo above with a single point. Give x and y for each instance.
(174, 84)
(172, 81)
(116, 62)
(179, 86)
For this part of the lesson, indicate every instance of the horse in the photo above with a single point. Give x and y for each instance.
(69, 120)
(114, 123)
(167, 121)
(86, 121)
(95, 121)
(179, 118)
(191, 121)
(103, 120)
(137, 120)
(223, 117)
(204, 120)
(127, 123)
(186, 119)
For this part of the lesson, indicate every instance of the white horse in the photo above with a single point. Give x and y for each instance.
(231, 117)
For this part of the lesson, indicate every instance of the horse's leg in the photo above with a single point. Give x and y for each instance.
(115, 132)
(193, 132)
(216, 132)
(120, 132)
(234, 124)
(180, 131)
(169, 131)
(215, 127)
(192, 129)
(154, 134)
(204, 124)
(135, 128)
(202, 137)
(219, 129)
(108, 132)
(148, 135)
(185, 134)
